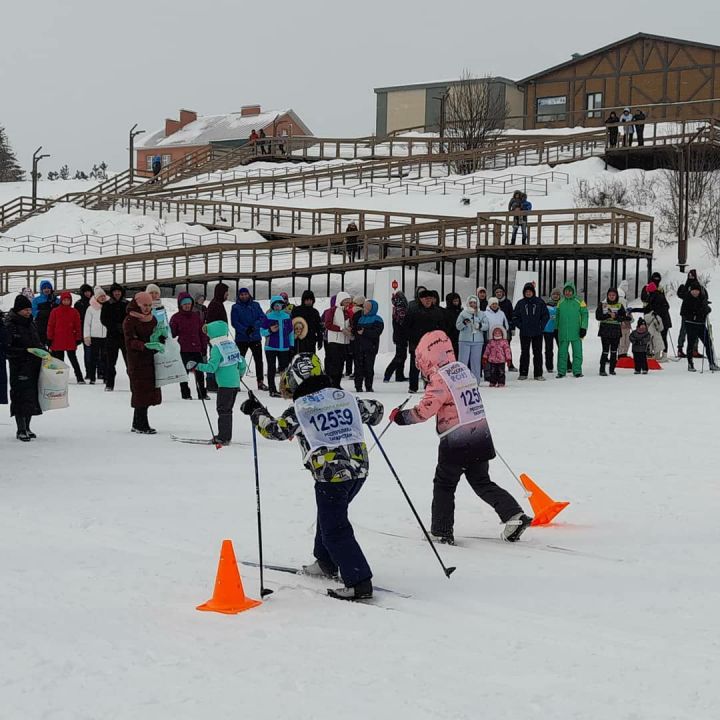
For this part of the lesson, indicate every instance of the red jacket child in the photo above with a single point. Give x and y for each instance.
(64, 330)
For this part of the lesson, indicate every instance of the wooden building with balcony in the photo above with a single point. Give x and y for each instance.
(670, 79)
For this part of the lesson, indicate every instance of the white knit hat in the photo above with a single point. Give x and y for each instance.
(151, 288)
(98, 292)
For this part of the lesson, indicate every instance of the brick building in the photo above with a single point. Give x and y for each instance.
(192, 132)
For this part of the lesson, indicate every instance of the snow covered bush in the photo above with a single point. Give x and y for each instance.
(600, 192)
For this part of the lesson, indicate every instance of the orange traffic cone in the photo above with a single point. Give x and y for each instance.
(544, 507)
(229, 596)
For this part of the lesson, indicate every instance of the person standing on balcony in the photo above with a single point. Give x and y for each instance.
(253, 140)
(156, 166)
(612, 128)
(351, 241)
(627, 127)
(639, 120)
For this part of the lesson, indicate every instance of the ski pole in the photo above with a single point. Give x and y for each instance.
(673, 345)
(447, 570)
(512, 472)
(389, 423)
(218, 445)
(263, 590)
(704, 339)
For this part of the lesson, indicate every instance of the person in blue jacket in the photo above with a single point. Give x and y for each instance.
(520, 204)
(247, 318)
(277, 329)
(42, 305)
(549, 333)
(530, 317)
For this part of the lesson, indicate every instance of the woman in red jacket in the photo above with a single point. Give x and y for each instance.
(65, 333)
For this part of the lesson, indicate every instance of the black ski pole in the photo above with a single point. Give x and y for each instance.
(263, 590)
(389, 423)
(447, 570)
(218, 445)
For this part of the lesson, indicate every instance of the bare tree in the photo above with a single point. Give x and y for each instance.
(702, 178)
(474, 117)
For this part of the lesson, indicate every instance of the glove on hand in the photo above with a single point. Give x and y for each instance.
(190, 365)
(250, 405)
(397, 416)
(583, 332)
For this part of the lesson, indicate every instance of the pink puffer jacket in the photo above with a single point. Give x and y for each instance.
(498, 352)
(433, 351)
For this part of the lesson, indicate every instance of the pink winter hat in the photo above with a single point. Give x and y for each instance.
(651, 287)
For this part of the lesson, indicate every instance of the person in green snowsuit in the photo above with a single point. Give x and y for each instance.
(571, 321)
(228, 366)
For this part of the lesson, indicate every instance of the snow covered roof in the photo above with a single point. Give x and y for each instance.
(215, 128)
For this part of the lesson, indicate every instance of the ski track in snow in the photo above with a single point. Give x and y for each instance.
(109, 541)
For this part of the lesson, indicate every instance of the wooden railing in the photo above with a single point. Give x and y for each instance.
(594, 233)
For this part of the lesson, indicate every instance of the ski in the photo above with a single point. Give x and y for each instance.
(522, 544)
(298, 571)
(201, 441)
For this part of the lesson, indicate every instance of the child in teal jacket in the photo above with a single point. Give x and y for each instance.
(228, 366)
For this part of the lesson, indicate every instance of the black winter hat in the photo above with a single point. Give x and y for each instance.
(307, 295)
(641, 322)
(656, 278)
(694, 285)
(21, 303)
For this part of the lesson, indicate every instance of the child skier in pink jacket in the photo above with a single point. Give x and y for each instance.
(452, 396)
(497, 353)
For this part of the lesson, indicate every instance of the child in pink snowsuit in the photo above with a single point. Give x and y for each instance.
(497, 353)
(452, 396)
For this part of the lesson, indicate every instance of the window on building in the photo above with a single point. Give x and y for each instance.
(149, 160)
(593, 105)
(551, 109)
(166, 160)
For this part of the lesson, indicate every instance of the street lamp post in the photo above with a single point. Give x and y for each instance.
(131, 166)
(35, 160)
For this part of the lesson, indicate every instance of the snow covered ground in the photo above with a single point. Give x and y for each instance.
(109, 540)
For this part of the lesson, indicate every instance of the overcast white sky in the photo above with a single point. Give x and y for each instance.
(76, 74)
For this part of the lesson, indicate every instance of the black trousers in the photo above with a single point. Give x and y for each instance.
(640, 360)
(447, 476)
(550, 339)
(334, 362)
(640, 132)
(112, 349)
(255, 348)
(414, 381)
(695, 332)
(225, 403)
(397, 364)
(536, 343)
(95, 367)
(199, 377)
(72, 357)
(364, 369)
(349, 358)
(495, 373)
(276, 361)
(609, 351)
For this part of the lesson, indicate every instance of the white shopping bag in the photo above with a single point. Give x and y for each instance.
(53, 385)
(169, 368)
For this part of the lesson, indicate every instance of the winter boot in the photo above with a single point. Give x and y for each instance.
(317, 570)
(603, 363)
(515, 527)
(681, 353)
(262, 386)
(691, 366)
(445, 538)
(274, 394)
(613, 362)
(185, 391)
(22, 433)
(362, 591)
(30, 433)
